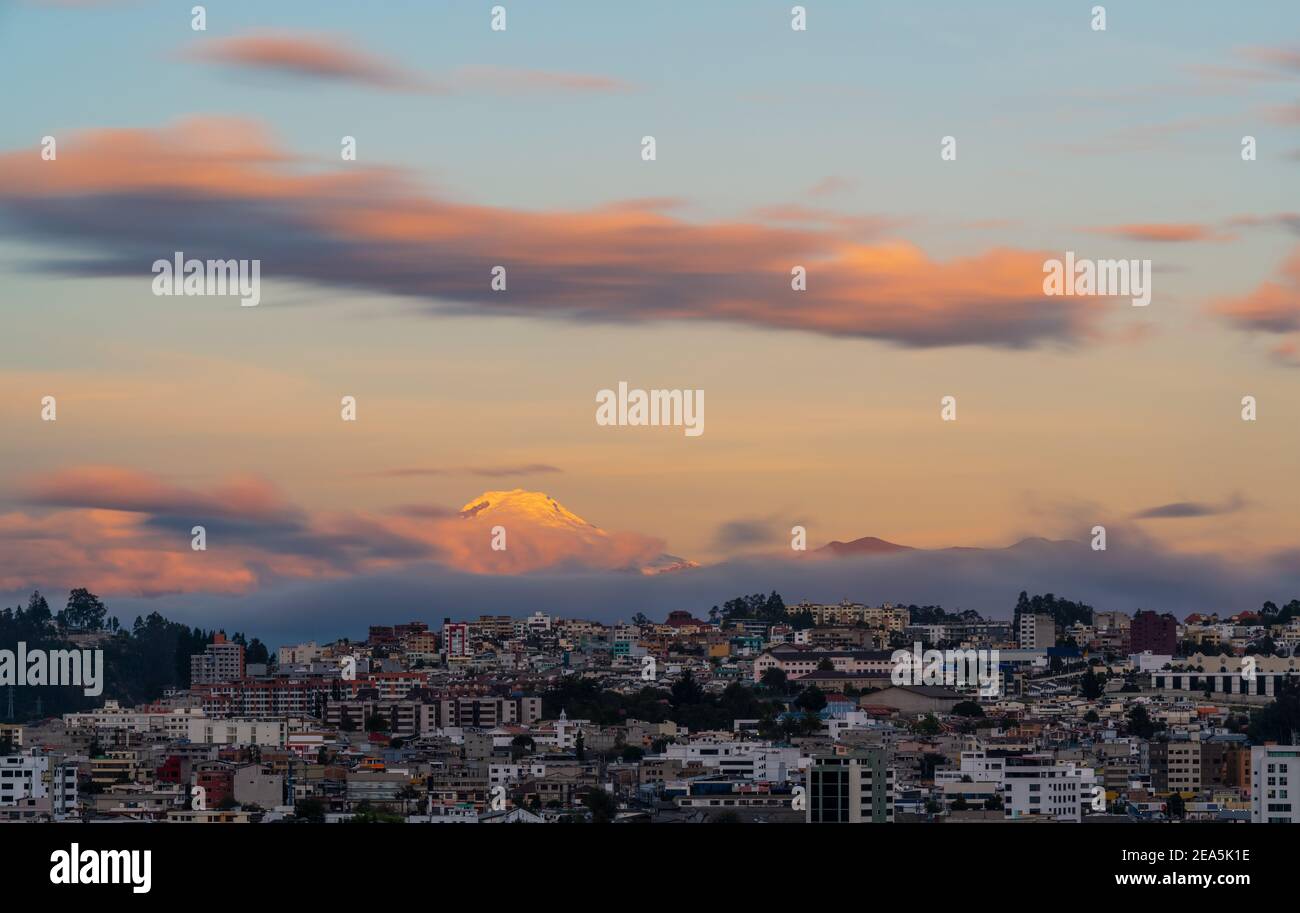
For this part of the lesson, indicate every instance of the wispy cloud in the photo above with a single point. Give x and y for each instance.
(491, 472)
(1289, 221)
(1288, 115)
(512, 81)
(745, 533)
(304, 56)
(1182, 510)
(1261, 63)
(1166, 232)
(1273, 306)
(832, 184)
(334, 59)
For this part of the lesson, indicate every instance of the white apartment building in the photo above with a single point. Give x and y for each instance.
(887, 617)
(220, 661)
(505, 774)
(272, 734)
(1274, 784)
(1036, 632)
(744, 760)
(976, 765)
(22, 776)
(1038, 785)
(307, 744)
(537, 622)
(27, 780)
(309, 652)
(562, 735)
(795, 661)
(173, 725)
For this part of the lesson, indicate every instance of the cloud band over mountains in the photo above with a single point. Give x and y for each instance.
(119, 530)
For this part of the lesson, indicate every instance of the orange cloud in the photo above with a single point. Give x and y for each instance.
(1163, 231)
(1272, 307)
(318, 57)
(218, 188)
(113, 553)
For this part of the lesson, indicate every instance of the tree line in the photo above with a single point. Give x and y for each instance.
(140, 662)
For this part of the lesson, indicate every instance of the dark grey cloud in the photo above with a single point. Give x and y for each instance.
(1188, 509)
(744, 533)
(353, 541)
(423, 511)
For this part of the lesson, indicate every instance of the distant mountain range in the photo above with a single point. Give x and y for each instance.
(867, 545)
(871, 545)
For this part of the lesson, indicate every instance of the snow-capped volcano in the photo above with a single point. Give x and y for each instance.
(527, 506)
(541, 533)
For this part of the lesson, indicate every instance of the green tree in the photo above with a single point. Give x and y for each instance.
(1091, 685)
(1139, 722)
(1063, 611)
(256, 652)
(775, 679)
(811, 699)
(930, 761)
(1279, 720)
(686, 690)
(521, 745)
(83, 612)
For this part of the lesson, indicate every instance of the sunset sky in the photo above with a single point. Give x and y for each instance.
(523, 148)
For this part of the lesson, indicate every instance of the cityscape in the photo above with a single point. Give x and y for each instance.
(672, 413)
(755, 711)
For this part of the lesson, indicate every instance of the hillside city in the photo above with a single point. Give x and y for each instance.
(758, 712)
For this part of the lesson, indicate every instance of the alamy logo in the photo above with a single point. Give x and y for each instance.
(1109, 278)
(209, 277)
(653, 407)
(131, 867)
(80, 668)
(947, 667)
